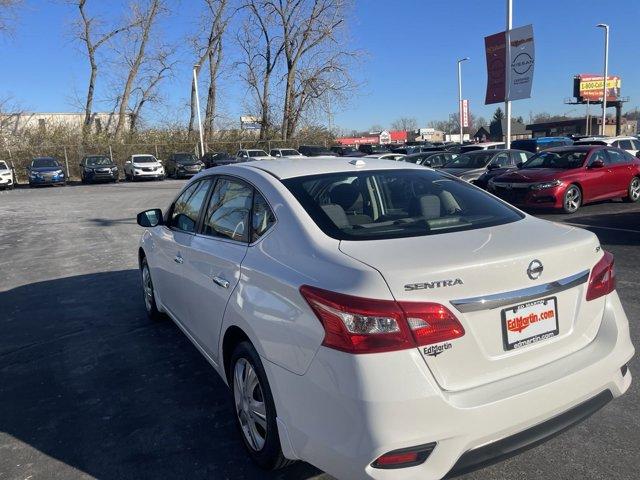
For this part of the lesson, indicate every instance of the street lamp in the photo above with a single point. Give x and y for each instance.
(460, 94)
(195, 83)
(606, 73)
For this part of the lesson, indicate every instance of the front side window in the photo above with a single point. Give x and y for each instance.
(228, 211)
(598, 155)
(396, 203)
(186, 209)
(501, 160)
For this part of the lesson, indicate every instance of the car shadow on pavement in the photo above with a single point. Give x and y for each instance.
(612, 229)
(87, 380)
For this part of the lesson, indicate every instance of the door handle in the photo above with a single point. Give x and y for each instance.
(221, 282)
(178, 259)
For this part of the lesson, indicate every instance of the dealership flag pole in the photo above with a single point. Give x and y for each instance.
(507, 103)
(195, 83)
(460, 96)
(606, 73)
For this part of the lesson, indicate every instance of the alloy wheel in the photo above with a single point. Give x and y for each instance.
(634, 189)
(572, 199)
(147, 286)
(250, 404)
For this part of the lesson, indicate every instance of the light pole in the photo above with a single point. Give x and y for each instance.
(606, 73)
(195, 83)
(460, 95)
(507, 103)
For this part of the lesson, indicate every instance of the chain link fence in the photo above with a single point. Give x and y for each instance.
(69, 156)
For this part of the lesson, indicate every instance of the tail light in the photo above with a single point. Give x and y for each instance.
(603, 278)
(362, 325)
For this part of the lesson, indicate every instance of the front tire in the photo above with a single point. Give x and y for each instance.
(148, 292)
(572, 199)
(633, 192)
(254, 408)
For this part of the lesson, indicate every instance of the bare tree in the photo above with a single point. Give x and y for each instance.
(217, 18)
(145, 15)
(262, 49)
(309, 30)
(8, 14)
(153, 72)
(93, 41)
(405, 124)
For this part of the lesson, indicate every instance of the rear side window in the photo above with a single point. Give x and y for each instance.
(625, 145)
(262, 219)
(186, 209)
(396, 203)
(228, 211)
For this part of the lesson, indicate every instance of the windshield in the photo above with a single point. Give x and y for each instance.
(396, 203)
(44, 162)
(471, 160)
(3, 166)
(257, 153)
(564, 160)
(144, 159)
(98, 161)
(185, 158)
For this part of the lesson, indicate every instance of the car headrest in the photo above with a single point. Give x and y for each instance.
(344, 195)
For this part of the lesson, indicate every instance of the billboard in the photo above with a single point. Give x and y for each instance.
(248, 122)
(589, 87)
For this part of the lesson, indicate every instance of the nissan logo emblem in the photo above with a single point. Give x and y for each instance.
(535, 269)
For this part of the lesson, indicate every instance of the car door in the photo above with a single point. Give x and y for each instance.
(214, 259)
(172, 241)
(596, 182)
(620, 165)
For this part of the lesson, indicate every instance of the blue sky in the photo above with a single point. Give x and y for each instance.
(409, 70)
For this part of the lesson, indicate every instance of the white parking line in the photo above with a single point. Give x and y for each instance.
(627, 230)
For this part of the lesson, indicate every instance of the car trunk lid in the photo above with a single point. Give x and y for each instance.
(468, 271)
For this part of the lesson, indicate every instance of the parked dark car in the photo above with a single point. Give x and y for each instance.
(46, 171)
(214, 159)
(183, 165)
(470, 166)
(315, 151)
(535, 145)
(370, 149)
(407, 149)
(430, 159)
(568, 177)
(494, 170)
(98, 168)
(346, 151)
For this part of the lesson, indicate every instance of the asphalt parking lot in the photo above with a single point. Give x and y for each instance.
(89, 388)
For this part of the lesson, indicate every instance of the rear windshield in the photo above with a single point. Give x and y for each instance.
(563, 159)
(396, 203)
(257, 153)
(289, 152)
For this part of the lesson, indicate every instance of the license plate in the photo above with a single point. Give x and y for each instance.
(529, 323)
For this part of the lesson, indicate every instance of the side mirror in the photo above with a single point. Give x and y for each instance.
(150, 218)
(492, 166)
(519, 164)
(597, 163)
(427, 163)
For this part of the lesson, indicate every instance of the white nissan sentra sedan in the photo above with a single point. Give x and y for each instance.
(383, 320)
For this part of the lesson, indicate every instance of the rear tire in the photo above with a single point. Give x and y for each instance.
(633, 192)
(254, 408)
(148, 292)
(572, 199)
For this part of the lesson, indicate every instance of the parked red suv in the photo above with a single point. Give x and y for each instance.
(568, 177)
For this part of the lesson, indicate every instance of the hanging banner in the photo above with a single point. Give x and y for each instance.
(496, 52)
(465, 113)
(521, 63)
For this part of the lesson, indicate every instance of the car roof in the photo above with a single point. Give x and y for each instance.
(283, 168)
(574, 148)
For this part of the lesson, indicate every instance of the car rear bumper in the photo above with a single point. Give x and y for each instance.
(347, 410)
